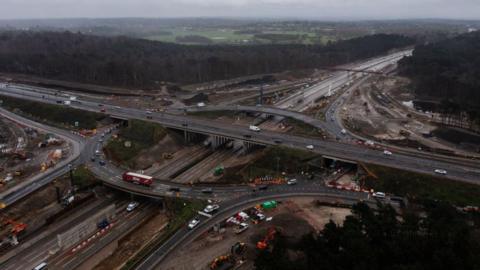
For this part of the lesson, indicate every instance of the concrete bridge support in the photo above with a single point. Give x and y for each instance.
(218, 141)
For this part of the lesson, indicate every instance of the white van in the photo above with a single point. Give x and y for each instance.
(254, 128)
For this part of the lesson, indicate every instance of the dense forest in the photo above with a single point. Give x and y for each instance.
(448, 73)
(368, 240)
(136, 63)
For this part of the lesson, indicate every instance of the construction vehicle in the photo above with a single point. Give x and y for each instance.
(269, 205)
(238, 248)
(137, 178)
(16, 228)
(263, 244)
(218, 171)
(223, 262)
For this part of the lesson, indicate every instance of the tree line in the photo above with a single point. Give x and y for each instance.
(136, 63)
(440, 238)
(447, 74)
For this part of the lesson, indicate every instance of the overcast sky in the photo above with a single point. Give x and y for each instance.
(311, 9)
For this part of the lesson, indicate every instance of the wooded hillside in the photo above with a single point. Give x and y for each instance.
(448, 72)
(135, 63)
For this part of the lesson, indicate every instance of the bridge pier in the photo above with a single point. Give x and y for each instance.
(218, 141)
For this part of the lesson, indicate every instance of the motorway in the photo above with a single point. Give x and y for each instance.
(462, 172)
(301, 100)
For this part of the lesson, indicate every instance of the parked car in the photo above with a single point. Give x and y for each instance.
(292, 182)
(387, 153)
(310, 147)
(440, 171)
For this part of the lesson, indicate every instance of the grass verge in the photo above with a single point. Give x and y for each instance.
(284, 159)
(55, 115)
(131, 140)
(419, 187)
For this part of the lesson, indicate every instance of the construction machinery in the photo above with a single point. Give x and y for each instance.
(263, 244)
(223, 262)
(238, 249)
(218, 171)
(11, 229)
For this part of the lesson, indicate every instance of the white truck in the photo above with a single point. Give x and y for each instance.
(254, 128)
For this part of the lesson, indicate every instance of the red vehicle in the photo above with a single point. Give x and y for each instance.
(138, 179)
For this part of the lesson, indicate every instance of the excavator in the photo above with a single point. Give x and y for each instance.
(223, 262)
(13, 231)
(269, 237)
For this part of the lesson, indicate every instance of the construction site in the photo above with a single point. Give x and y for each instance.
(25, 152)
(235, 242)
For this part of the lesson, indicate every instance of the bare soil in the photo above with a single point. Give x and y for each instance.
(293, 218)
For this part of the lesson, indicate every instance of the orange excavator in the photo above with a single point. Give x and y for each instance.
(15, 229)
(269, 237)
(222, 262)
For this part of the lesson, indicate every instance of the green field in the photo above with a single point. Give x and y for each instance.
(230, 36)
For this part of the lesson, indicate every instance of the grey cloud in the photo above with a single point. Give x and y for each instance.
(319, 9)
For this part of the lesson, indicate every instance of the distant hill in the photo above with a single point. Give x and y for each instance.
(447, 72)
(138, 63)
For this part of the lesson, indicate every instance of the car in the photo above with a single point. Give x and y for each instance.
(241, 228)
(184, 124)
(263, 187)
(149, 112)
(254, 128)
(131, 206)
(42, 266)
(440, 171)
(386, 152)
(310, 147)
(149, 117)
(211, 208)
(103, 224)
(193, 223)
(175, 189)
(207, 190)
(292, 182)
(102, 110)
(100, 140)
(247, 136)
(278, 141)
(102, 163)
(343, 131)
(260, 216)
(92, 159)
(98, 152)
(379, 195)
